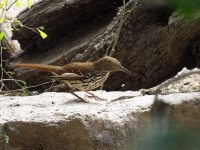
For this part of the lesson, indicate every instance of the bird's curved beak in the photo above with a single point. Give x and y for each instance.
(125, 70)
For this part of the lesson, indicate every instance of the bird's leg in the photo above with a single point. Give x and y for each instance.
(73, 93)
(101, 87)
(80, 98)
(94, 96)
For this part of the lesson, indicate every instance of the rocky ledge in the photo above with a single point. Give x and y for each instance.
(56, 121)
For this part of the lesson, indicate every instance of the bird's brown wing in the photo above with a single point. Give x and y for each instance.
(68, 76)
(78, 68)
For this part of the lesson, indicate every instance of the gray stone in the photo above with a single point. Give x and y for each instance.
(56, 121)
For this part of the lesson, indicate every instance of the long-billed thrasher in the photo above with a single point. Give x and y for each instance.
(83, 76)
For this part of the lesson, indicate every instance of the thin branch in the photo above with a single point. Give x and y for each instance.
(2, 13)
(17, 90)
(116, 35)
(11, 5)
(14, 80)
(41, 84)
(2, 80)
(2, 72)
(114, 40)
(119, 28)
(172, 80)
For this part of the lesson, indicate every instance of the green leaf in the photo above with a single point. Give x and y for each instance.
(28, 3)
(25, 93)
(17, 3)
(1, 35)
(4, 2)
(10, 73)
(42, 34)
(4, 48)
(24, 88)
(5, 137)
(17, 22)
(23, 82)
(1, 20)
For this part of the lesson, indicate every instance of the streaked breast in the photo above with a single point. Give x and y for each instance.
(93, 81)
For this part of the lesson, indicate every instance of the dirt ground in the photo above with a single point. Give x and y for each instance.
(188, 84)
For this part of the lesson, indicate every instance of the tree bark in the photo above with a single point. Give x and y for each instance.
(154, 42)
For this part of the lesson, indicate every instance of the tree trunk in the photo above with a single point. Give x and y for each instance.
(154, 42)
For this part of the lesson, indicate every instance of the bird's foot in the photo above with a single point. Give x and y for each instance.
(91, 95)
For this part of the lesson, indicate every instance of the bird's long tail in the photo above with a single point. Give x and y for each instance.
(49, 68)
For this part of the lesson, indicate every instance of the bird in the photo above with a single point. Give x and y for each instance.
(82, 76)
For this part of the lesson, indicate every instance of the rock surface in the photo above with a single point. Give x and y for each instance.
(57, 121)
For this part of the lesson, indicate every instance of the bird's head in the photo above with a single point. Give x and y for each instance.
(110, 64)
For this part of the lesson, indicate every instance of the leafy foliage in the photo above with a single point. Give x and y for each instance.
(4, 138)
(28, 3)
(185, 6)
(16, 25)
(42, 34)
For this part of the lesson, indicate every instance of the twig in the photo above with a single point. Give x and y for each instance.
(2, 72)
(40, 84)
(119, 28)
(17, 90)
(116, 36)
(2, 14)
(11, 5)
(2, 80)
(172, 80)
(15, 80)
(114, 40)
